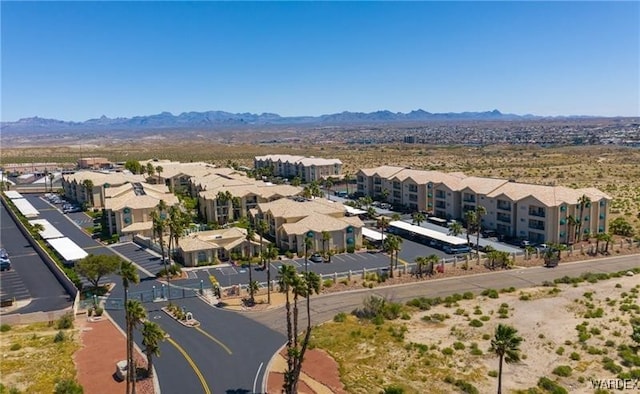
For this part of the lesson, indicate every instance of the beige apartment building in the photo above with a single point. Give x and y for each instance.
(291, 220)
(88, 187)
(177, 175)
(308, 169)
(214, 246)
(226, 196)
(537, 213)
(128, 207)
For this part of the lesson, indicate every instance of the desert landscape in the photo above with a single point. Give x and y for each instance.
(575, 331)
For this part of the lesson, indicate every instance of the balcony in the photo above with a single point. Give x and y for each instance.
(537, 212)
(396, 185)
(536, 225)
(441, 204)
(440, 194)
(505, 206)
(503, 218)
(469, 198)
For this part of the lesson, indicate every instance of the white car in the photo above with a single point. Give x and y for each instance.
(121, 370)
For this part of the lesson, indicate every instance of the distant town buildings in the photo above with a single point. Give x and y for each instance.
(94, 163)
(308, 169)
(534, 212)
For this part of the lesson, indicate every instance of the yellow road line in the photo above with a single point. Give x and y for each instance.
(193, 365)
(214, 339)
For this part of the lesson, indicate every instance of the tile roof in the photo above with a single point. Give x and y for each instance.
(288, 208)
(318, 222)
(100, 178)
(125, 196)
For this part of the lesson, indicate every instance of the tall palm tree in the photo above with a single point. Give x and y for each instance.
(389, 245)
(262, 228)
(470, 219)
(135, 313)
(177, 223)
(383, 223)
(51, 178)
(152, 335)
(159, 170)
(420, 262)
(326, 237)
(88, 190)
(129, 275)
(385, 194)
(270, 254)
(249, 237)
(328, 184)
(398, 247)
(506, 345)
(583, 202)
(150, 169)
(347, 179)
(287, 278)
(480, 212)
(572, 222)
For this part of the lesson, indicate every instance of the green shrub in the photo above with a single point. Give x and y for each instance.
(485, 318)
(551, 386)
(340, 317)
(65, 322)
(60, 337)
(562, 370)
(99, 311)
(575, 356)
(476, 352)
(466, 387)
(68, 386)
(459, 312)
(491, 293)
(493, 373)
(476, 323)
(609, 365)
(467, 295)
(560, 351)
(486, 337)
(5, 328)
(447, 351)
(458, 345)
(15, 346)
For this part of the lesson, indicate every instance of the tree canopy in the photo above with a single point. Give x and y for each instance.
(94, 267)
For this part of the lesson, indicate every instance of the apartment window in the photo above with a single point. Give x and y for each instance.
(601, 216)
(429, 185)
(429, 194)
(536, 224)
(536, 211)
(602, 203)
(563, 208)
(360, 178)
(503, 217)
(396, 185)
(504, 205)
(413, 197)
(468, 197)
(440, 194)
(377, 181)
(397, 194)
(413, 188)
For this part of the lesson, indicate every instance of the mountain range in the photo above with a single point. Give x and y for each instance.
(218, 119)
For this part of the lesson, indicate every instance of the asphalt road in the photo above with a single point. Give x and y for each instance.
(30, 278)
(325, 307)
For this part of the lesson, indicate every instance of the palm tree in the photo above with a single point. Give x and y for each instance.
(420, 261)
(385, 194)
(417, 218)
(480, 212)
(326, 236)
(382, 223)
(395, 217)
(347, 179)
(607, 238)
(51, 178)
(152, 335)
(88, 190)
(262, 228)
(583, 201)
(287, 278)
(572, 222)
(397, 249)
(249, 237)
(470, 218)
(431, 261)
(135, 313)
(176, 223)
(150, 169)
(269, 254)
(455, 228)
(389, 245)
(599, 237)
(159, 170)
(506, 345)
(129, 275)
(328, 184)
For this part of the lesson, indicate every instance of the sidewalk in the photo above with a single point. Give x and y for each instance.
(103, 345)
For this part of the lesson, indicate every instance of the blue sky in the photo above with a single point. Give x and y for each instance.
(81, 60)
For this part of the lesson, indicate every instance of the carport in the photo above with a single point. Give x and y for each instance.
(373, 235)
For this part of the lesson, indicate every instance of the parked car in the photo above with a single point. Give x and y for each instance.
(489, 233)
(317, 258)
(525, 243)
(456, 249)
(72, 209)
(5, 264)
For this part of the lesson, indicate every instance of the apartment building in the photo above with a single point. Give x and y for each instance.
(226, 195)
(308, 169)
(177, 176)
(210, 247)
(538, 213)
(88, 187)
(291, 220)
(128, 207)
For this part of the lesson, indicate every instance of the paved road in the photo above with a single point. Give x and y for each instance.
(30, 277)
(326, 306)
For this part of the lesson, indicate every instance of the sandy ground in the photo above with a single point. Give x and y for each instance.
(545, 322)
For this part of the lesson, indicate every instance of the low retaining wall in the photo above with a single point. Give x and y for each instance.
(34, 317)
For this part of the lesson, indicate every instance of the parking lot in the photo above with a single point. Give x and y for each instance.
(140, 256)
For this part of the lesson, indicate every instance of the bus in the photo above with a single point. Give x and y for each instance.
(449, 244)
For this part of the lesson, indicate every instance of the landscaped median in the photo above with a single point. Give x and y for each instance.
(180, 315)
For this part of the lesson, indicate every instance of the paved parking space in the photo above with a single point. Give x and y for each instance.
(140, 256)
(12, 286)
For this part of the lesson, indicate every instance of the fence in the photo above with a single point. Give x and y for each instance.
(155, 294)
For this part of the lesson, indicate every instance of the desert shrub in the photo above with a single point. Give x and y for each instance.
(65, 322)
(486, 337)
(99, 311)
(508, 290)
(491, 293)
(466, 387)
(476, 323)
(5, 328)
(592, 314)
(609, 365)
(575, 356)
(340, 317)
(562, 370)
(551, 386)
(560, 351)
(467, 295)
(485, 318)
(60, 337)
(68, 386)
(525, 297)
(477, 311)
(458, 345)
(459, 312)
(493, 373)
(15, 346)
(609, 343)
(447, 351)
